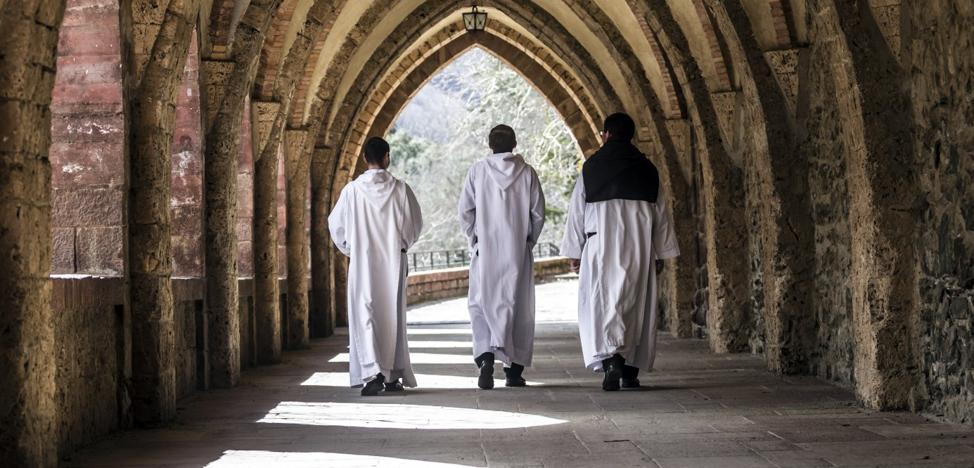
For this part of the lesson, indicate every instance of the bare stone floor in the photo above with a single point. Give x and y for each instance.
(698, 410)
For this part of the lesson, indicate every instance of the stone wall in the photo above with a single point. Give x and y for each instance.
(190, 360)
(93, 347)
(87, 131)
(452, 282)
(187, 173)
(93, 339)
(941, 57)
(245, 200)
(248, 332)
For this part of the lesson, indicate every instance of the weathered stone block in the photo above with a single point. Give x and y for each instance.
(88, 207)
(100, 250)
(62, 256)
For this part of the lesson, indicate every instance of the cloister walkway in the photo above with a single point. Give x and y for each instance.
(700, 409)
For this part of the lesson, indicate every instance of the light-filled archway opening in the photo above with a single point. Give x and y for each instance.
(443, 129)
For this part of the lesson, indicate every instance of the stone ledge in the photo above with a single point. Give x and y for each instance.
(452, 282)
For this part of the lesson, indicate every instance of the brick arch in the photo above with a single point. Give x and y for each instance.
(704, 44)
(553, 35)
(273, 53)
(310, 98)
(557, 40)
(722, 79)
(224, 16)
(379, 121)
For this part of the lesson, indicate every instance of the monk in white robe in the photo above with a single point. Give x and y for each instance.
(502, 214)
(618, 228)
(375, 221)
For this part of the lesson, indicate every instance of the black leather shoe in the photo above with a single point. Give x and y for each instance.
(486, 364)
(513, 374)
(613, 372)
(374, 386)
(629, 377)
(395, 386)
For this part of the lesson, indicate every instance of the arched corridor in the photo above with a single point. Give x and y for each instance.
(167, 169)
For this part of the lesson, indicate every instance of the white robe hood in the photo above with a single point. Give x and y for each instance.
(377, 187)
(504, 168)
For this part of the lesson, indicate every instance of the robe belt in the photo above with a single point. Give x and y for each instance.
(588, 235)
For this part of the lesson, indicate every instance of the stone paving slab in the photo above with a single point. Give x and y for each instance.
(698, 410)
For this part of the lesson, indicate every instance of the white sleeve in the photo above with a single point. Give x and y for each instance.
(537, 210)
(412, 219)
(338, 221)
(664, 237)
(574, 241)
(467, 209)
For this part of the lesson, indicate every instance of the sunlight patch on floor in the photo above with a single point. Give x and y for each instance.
(438, 331)
(439, 344)
(340, 379)
(397, 416)
(422, 358)
(263, 459)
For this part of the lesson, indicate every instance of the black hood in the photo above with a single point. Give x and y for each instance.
(619, 171)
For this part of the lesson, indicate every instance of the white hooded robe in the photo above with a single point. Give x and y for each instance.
(502, 213)
(618, 242)
(374, 222)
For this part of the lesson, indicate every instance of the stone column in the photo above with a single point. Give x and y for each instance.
(722, 188)
(875, 110)
(28, 46)
(297, 164)
(220, 213)
(266, 289)
(150, 106)
(227, 85)
(322, 314)
(680, 272)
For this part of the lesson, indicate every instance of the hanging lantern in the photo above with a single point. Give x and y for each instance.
(475, 20)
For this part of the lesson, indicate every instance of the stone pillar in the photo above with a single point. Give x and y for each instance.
(726, 239)
(879, 142)
(150, 105)
(227, 85)
(680, 272)
(267, 312)
(322, 313)
(220, 213)
(297, 165)
(28, 46)
(721, 189)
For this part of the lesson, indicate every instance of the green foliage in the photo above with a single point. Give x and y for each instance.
(444, 130)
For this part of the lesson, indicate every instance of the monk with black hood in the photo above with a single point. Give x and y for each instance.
(618, 228)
